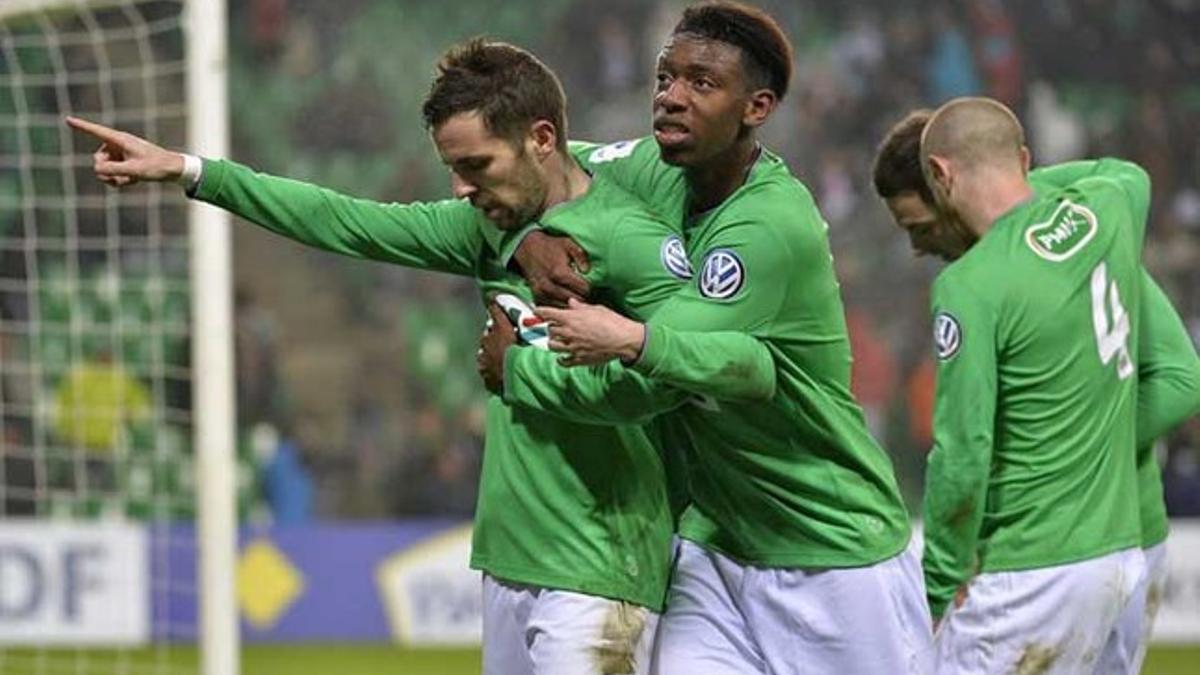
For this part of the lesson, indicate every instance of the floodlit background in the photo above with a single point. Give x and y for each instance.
(368, 368)
(360, 416)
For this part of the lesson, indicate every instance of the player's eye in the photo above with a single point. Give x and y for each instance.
(472, 165)
(703, 83)
(662, 81)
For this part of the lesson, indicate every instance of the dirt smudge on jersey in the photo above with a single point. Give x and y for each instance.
(623, 626)
(962, 515)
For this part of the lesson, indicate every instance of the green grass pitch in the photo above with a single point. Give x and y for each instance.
(353, 659)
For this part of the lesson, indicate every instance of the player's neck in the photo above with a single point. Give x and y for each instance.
(567, 180)
(711, 183)
(991, 195)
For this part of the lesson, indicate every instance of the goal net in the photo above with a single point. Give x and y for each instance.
(98, 488)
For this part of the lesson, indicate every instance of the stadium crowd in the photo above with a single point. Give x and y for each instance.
(1089, 77)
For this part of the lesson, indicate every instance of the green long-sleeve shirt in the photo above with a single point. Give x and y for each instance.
(1036, 328)
(796, 481)
(561, 504)
(1168, 368)
(1168, 393)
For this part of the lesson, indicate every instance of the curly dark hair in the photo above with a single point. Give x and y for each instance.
(767, 50)
(507, 85)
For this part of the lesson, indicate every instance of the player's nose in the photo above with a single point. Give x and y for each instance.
(461, 189)
(671, 97)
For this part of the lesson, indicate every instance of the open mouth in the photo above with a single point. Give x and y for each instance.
(670, 133)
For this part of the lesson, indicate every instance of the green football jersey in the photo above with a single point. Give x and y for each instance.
(1036, 330)
(1168, 368)
(1168, 393)
(561, 505)
(796, 481)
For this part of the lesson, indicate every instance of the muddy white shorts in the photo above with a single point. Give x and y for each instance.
(529, 630)
(724, 618)
(1126, 650)
(1050, 621)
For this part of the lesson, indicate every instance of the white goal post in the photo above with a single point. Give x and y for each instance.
(95, 248)
(212, 339)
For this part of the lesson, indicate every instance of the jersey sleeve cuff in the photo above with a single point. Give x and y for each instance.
(208, 185)
(193, 169)
(654, 349)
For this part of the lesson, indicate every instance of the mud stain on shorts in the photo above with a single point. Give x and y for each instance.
(1154, 598)
(1037, 659)
(616, 651)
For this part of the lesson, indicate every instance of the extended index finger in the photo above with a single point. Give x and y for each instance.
(106, 134)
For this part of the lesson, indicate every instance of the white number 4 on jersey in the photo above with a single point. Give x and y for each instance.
(1112, 338)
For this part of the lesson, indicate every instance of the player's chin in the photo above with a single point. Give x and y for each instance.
(676, 154)
(504, 220)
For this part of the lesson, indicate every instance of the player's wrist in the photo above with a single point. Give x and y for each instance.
(633, 344)
(186, 171)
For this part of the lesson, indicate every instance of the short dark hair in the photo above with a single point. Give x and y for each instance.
(507, 85)
(766, 49)
(898, 161)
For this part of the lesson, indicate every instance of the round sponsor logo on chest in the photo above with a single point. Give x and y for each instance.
(947, 335)
(723, 274)
(675, 259)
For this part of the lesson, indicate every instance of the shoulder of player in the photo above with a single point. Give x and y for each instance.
(602, 156)
(778, 206)
(619, 207)
(609, 216)
(972, 276)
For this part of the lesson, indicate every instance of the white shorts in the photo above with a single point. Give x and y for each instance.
(1126, 648)
(1048, 621)
(724, 618)
(529, 630)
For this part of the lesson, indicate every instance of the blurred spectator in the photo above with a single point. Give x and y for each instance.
(287, 485)
(873, 377)
(920, 390)
(268, 26)
(1181, 475)
(618, 65)
(20, 486)
(258, 395)
(951, 70)
(318, 99)
(1055, 133)
(95, 401)
(998, 49)
(440, 476)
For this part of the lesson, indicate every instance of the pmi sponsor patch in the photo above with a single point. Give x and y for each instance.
(1069, 229)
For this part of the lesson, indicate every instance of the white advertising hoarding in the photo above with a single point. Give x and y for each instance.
(431, 595)
(73, 584)
(1179, 611)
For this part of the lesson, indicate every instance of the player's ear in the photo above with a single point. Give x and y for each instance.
(1026, 159)
(759, 106)
(937, 172)
(543, 138)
